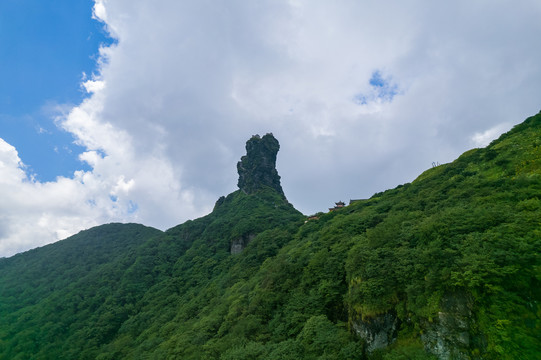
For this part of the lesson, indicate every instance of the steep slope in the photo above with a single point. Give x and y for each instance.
(446, 267)
(69, 299)
(49, 293)
(454, 260)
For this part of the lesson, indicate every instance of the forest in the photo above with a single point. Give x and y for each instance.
(444, 267)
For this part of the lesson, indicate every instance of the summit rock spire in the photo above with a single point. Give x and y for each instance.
(257, 168)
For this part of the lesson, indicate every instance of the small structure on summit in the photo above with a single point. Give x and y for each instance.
(338, 205)
(257, 168)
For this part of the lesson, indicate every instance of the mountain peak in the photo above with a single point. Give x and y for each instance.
(258, 167)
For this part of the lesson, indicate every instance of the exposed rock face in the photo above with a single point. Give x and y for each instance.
(378, 332)
(258, 167)
(448, 336)
(239, 244)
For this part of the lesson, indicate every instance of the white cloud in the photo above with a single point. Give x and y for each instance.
(11, 166)
(188, 82)
(92, 86)
(482, 139)
(33, 213)
(99, 12)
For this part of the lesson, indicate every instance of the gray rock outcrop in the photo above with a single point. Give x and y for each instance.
(257, 168)
(239, 244)
(378, 332)
(448, 336)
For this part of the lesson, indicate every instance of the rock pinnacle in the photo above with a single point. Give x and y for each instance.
(257, 168)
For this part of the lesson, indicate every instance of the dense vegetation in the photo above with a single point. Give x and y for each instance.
(456, 252)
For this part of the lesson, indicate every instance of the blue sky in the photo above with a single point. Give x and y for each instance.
(46, 48)
(362, 96)
(382, 89)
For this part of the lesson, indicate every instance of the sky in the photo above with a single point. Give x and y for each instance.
(138, 111)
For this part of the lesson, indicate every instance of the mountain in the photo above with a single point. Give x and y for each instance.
(446, 267)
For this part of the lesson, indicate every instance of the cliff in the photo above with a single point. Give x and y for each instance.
(257, 168)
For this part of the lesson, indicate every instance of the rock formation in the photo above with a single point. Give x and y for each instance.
(257, 168)
(378, 332)
(449, 336)
(237, 245)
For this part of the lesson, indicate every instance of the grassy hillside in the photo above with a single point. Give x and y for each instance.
(445, 267)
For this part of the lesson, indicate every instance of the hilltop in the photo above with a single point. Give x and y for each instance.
(446, 267)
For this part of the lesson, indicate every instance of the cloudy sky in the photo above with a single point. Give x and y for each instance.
(138, 111)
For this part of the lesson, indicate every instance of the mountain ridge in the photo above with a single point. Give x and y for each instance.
(445, 267)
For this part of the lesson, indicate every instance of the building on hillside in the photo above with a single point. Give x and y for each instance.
(338, 205)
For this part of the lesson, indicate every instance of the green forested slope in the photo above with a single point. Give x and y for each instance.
(445, 267)
(66, 291)
(472, 227)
